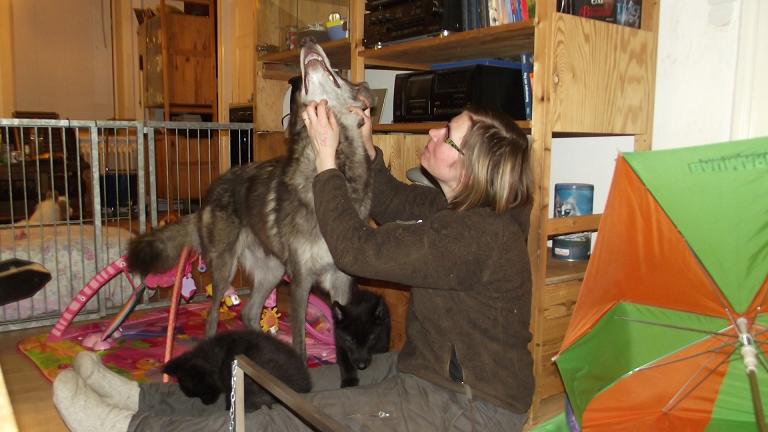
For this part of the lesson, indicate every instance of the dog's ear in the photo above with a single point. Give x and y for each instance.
(338, 311)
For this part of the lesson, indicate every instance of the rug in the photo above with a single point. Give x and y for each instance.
(138, 353)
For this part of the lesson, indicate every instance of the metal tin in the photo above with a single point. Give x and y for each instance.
(573, 199)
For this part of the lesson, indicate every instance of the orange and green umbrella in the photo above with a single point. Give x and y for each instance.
(670, 329)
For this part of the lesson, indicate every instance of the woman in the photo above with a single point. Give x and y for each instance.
(465, 364)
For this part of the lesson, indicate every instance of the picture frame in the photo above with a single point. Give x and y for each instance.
(377, 105)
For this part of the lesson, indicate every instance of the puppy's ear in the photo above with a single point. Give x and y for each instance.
(338, 311)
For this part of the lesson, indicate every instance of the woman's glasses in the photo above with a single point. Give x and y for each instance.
(451, 142)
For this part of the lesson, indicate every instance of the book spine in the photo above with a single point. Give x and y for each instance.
(508, 11)
(527, 67)
(464, 15)
(493, 13)
(483, 10)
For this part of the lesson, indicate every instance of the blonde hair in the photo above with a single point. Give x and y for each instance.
(497, 163)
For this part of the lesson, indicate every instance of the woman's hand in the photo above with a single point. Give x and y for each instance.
(323, 131)
(366, 129)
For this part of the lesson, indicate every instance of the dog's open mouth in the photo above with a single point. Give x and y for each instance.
(312, 58)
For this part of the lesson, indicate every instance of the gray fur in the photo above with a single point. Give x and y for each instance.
(262, 215)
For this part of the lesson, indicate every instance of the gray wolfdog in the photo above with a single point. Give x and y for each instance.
(262, 215)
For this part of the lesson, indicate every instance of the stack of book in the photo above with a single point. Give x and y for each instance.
(486, 13)
(622, 12)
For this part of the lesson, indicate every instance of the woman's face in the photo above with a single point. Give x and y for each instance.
(441, 159)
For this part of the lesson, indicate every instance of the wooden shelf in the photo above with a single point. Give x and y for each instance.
(574, 224)
(506, 40)
(338, 53)
(559, 271)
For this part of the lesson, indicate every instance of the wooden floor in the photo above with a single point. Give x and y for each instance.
(30, 392)
(32, 398)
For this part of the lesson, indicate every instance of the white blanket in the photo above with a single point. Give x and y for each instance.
(69, 253)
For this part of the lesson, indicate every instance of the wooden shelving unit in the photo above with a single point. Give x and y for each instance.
(179, 62)
(591, 78)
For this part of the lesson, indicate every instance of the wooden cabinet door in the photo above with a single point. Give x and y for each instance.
(186, 165)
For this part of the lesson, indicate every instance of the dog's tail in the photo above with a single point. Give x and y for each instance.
(158, 251)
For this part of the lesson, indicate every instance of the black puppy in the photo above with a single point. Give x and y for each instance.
(205, 372)
(360, 328)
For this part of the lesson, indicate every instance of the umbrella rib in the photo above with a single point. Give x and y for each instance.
(670, 405)
(712, 285)
(761, 359)
(758, 309)
(714, 350)
(677, 327)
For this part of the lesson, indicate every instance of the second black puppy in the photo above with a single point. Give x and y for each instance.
(205, 372)
(361, 329)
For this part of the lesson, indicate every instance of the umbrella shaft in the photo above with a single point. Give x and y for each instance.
(756, 402)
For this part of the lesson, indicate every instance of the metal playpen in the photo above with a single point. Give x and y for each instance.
(73, 193)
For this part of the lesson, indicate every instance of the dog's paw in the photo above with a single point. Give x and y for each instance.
(349, 382)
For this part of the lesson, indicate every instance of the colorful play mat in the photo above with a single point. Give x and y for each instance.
(137, 353)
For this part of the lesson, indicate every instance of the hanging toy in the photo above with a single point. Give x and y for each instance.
(229, 300)
(188, 287)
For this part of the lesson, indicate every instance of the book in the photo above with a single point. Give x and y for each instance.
(628, 12)
(526, 61)
(465, 15)
(493, 13)
(622, 12)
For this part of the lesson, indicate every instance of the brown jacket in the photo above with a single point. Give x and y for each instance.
(470, 275)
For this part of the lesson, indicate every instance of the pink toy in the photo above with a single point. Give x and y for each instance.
(108, 273)
(319, 322)
(104, 340)
(188, 288)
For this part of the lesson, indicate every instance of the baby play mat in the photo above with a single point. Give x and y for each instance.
(138, 352)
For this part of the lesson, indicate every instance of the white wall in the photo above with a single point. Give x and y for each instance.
(711, 86)
(62, 57)
(711, 69)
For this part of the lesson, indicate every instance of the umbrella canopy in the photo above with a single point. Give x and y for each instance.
(681, 258)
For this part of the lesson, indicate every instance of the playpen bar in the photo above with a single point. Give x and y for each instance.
(152, 175)
(99, 260)
(187, 144)
(175, 196)
(10, 190)
(35, 122)
(210, 171)
(68, 207)
(199, 167)
(80, 208)
(140, 182)
(56, 223)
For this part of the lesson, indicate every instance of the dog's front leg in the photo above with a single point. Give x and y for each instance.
(300, 287)
(221, 275)
(265, 272)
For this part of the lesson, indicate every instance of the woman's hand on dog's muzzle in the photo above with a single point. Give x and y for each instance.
(323, 131)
